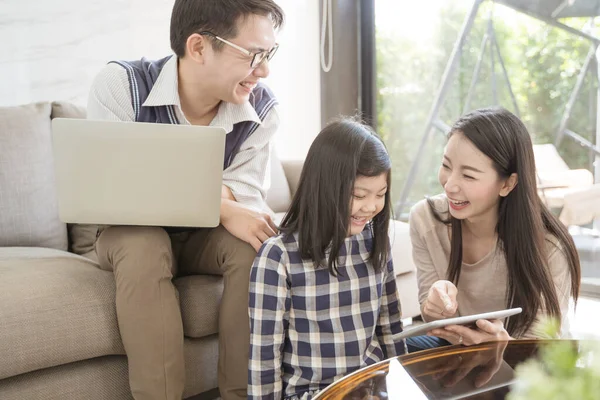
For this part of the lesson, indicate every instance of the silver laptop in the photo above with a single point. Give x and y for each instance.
(131, 173)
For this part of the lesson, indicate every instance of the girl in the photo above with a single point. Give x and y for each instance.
(323, 299)
(488, 242)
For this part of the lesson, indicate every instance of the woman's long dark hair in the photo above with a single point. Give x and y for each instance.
(320, 210)
(523, 219)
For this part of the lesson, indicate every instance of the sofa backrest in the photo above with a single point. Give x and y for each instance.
(28, 204)
(279, 196)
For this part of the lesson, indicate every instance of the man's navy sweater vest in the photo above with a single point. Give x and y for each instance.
(142, 74)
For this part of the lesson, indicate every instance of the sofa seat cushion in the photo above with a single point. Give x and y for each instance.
(200, 296)
(95, 379)
(56, 308)
(28, 203)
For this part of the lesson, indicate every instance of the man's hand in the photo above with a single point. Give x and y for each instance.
(441, 300)
(246, 224)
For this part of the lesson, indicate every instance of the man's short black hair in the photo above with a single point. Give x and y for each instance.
(219, 17)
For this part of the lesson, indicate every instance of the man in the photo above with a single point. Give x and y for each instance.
(222, 49)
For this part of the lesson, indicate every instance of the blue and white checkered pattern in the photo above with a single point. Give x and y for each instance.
(309, 328)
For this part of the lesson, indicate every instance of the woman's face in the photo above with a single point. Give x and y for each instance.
(470, 181)
(368, 199)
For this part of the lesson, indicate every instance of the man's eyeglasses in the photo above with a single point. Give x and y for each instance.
(257, 58)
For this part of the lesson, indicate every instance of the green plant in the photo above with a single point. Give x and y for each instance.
(563, 370)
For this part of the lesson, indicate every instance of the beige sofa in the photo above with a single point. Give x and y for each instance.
(58, 328)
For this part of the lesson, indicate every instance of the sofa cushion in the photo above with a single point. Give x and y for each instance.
(56, 308)
(401, 247)
(200, 296)
(408, 292)
(201, 358)
(95, 379)
(82, 237)
(63, 109)
(28, 205)
(278, 195)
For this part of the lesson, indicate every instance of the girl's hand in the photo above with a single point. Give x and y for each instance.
(486, 331)
(441, 301)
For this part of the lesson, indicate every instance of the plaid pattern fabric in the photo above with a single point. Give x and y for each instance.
(309, 328)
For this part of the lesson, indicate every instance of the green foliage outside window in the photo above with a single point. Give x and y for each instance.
(542, 63)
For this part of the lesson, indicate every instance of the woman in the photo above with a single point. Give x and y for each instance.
(488, 242)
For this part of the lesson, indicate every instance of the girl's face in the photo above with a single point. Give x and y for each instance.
(471, 183)
(368, 199)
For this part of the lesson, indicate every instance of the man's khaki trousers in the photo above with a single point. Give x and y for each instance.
(144, 261)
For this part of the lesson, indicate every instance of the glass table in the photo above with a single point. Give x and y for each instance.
(484, 371)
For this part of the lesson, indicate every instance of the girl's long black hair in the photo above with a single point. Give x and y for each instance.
(320, 210)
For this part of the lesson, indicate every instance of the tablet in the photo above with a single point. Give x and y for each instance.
(467, 319)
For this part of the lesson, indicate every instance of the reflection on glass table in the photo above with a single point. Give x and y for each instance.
(484, 371)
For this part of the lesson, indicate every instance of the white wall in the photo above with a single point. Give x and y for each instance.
(51, 50)
(295, 77)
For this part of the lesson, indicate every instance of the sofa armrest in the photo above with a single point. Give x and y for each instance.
(401, 247)
(293, 169)
(405, 269)
(565, 179)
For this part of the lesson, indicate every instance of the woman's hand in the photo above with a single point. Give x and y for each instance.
(486, 331)
(441, 300)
